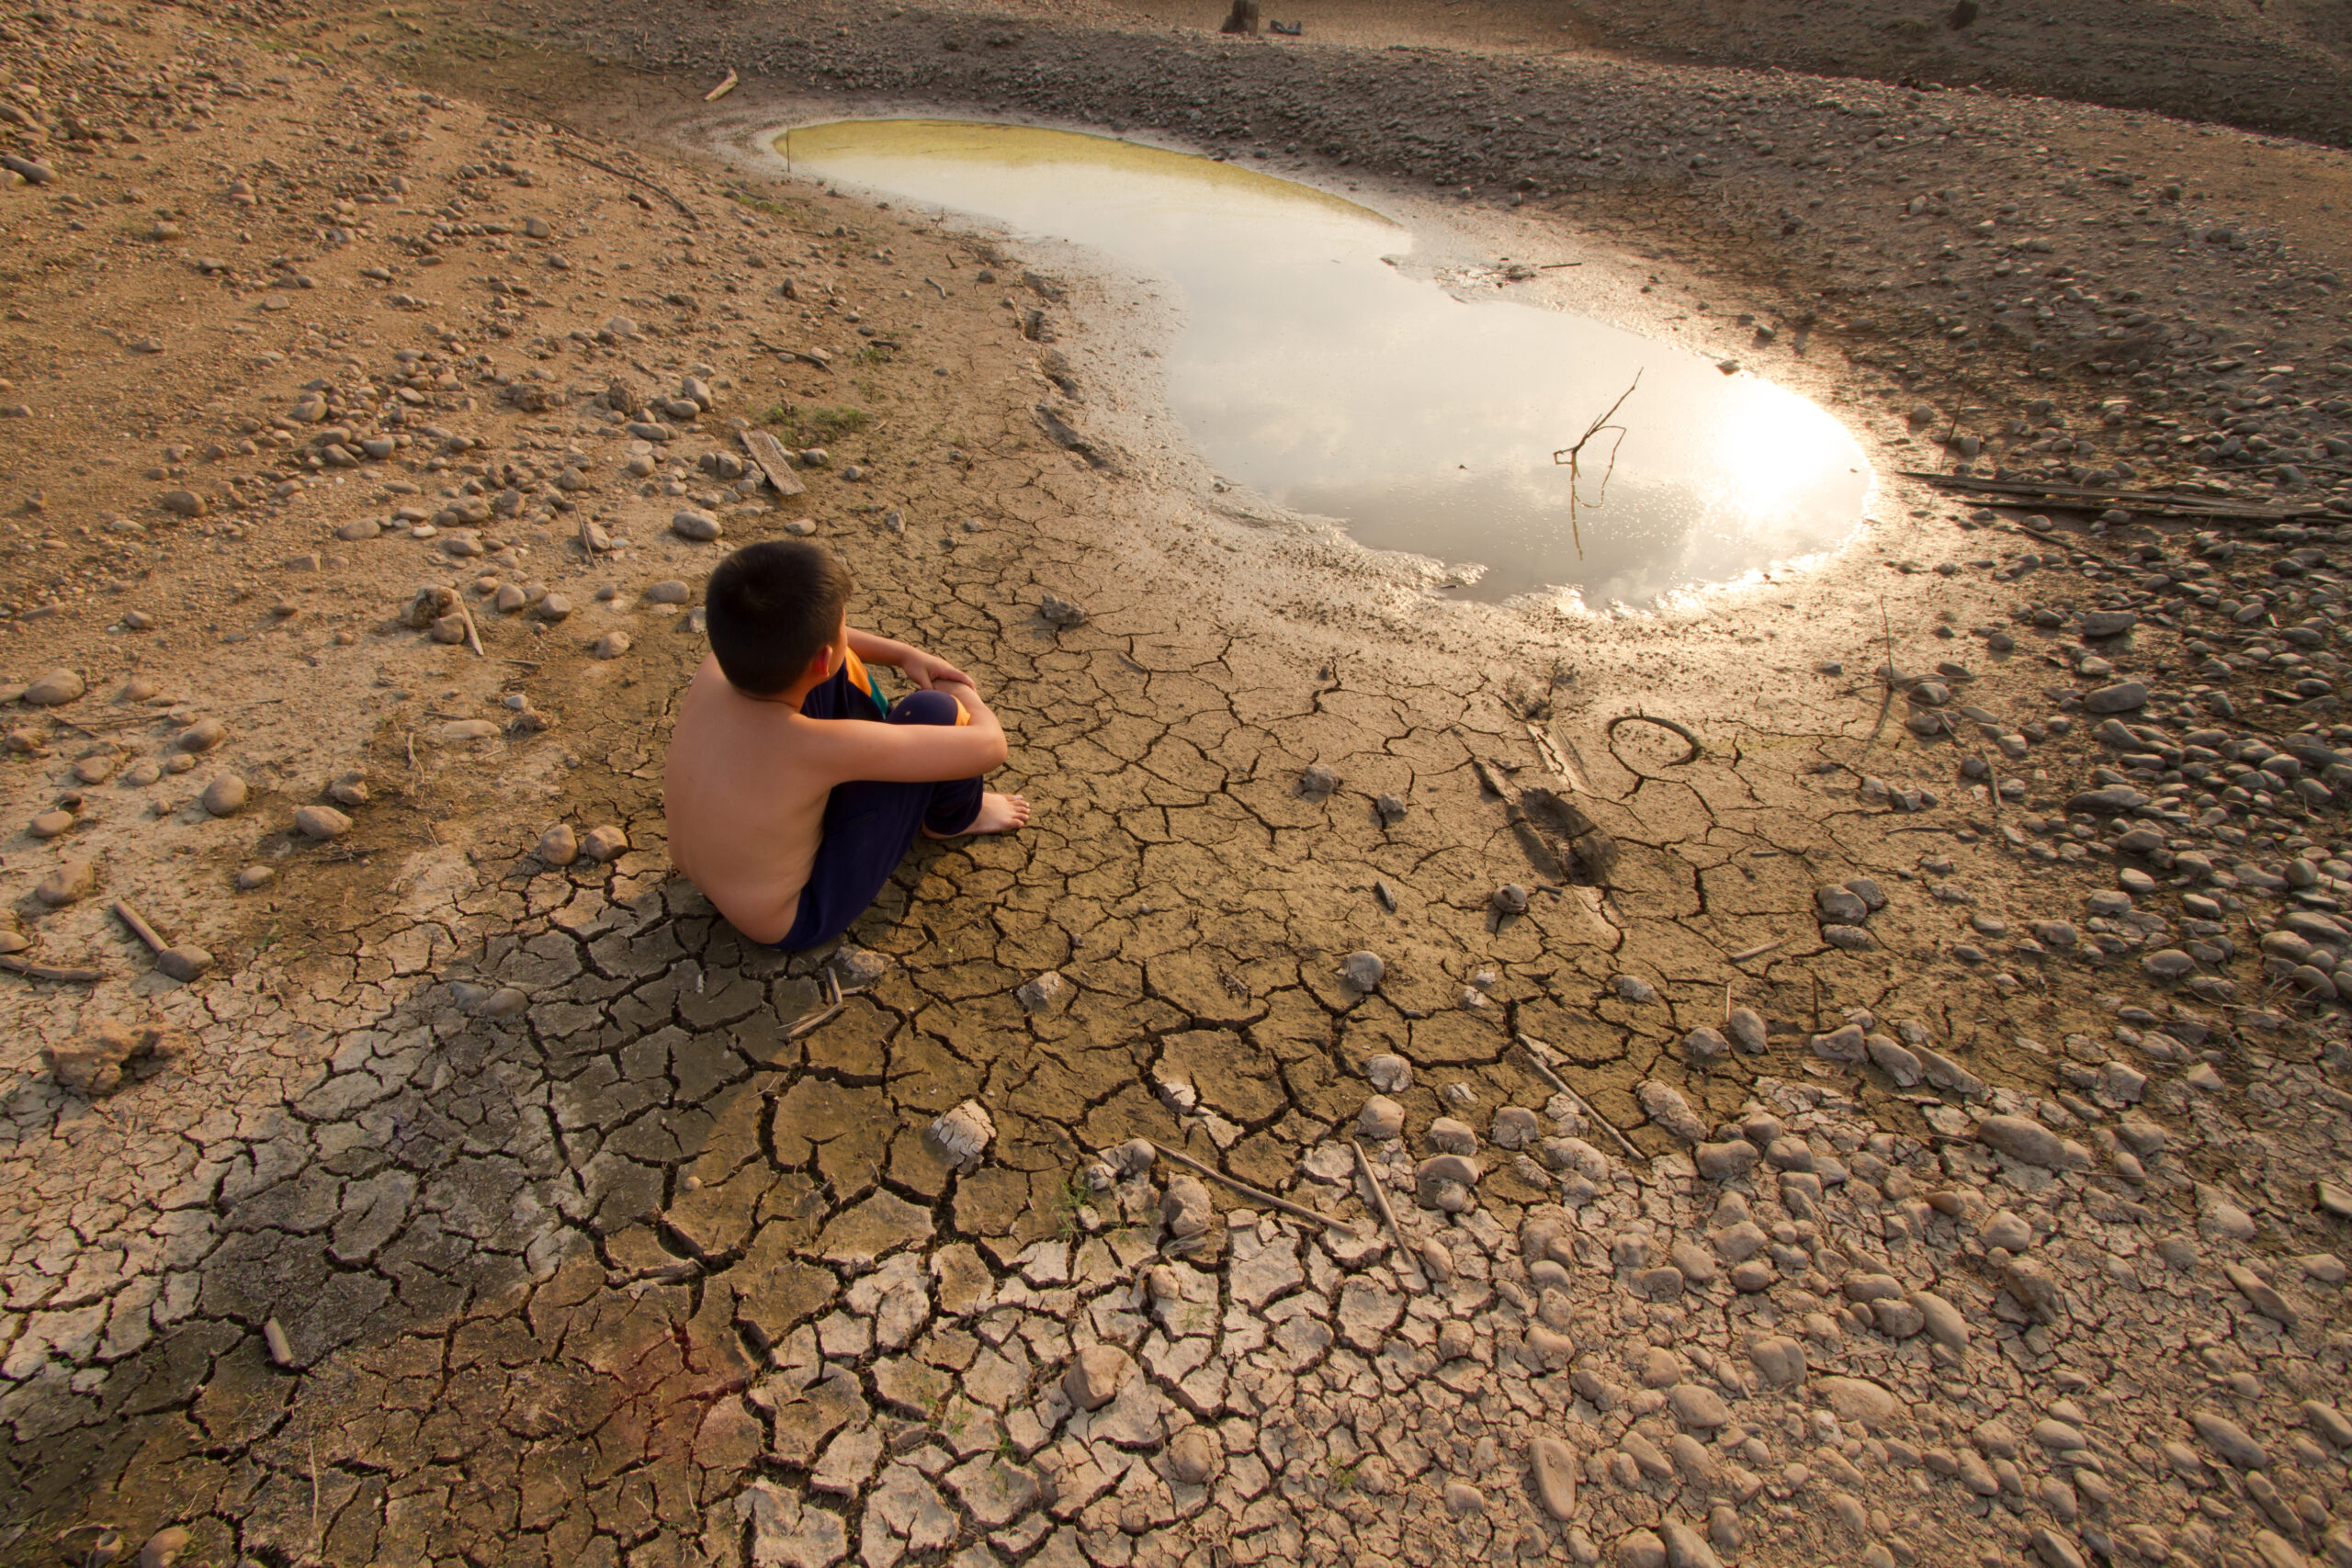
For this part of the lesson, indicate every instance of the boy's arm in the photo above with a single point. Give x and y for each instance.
(923, 668)
(921, 753)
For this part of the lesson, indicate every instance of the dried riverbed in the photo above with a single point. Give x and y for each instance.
(1983, 1110)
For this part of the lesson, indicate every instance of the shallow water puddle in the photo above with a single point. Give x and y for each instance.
(1309, 369)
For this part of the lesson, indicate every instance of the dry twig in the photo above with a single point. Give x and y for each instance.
(1380, 1202)
(1296, 1211)
(1697, 747)
(1572, 455)
(26, 967)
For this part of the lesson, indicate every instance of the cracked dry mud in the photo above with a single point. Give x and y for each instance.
(483, 1209)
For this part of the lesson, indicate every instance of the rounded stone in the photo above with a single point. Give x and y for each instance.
(603, 844)
(559, 845)
(201, 736)
(254, 876)
(320, 822)
(1363, 970)
(56, 687)
(226, 796)
(1381, 1118)
(1194, 1457)
(670, 591)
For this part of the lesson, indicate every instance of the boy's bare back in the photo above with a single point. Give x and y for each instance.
(748, 778)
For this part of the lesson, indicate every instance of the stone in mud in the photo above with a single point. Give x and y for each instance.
(1664, 1104)
(693, 523)
(95, 1063)
(505, 1002)
(1555, 1464)
(201, 736)
(2229, 1440)
(1381, 1119)
(1452, 1138)
(164, 1548)
(1840, 905)
(72, 881)
(1848, 938)
(612, 645)
(963, 1134)
(2123, 697)
(1317, 779)
(320, 822)
(604, 844)
(857, 968)
(1514, 1127)
(1511, 898)
(2108, 623)
(1048, 993)
(1131, 1159)
(1634, 989)
(1390, 809)
(1096, 1374)
(1857, 1400)
(55, 689)
(1194, 1457)
(1846, 1044)
(225, 796)
(1059, 613)
(1943, 1321)
(1703, 1045)
(1724, 1162)
(2033, 1144)
(1641, 1549)
(559, 845)
(1363, 970)
(1185, 1206)
(1747, 1028)
(1896, 1061)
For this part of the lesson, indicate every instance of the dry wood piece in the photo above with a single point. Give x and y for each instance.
(1745, 954)
(1296, 1211)
(724, 87)
(1380, 1203)
(811, 1023)
(1697, 747)
(182, 964)
(769, 454)
(1540, 1052)
(2138, 503)
(49, 971)
(624, 173)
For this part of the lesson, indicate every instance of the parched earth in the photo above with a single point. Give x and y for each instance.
(1910, 1129)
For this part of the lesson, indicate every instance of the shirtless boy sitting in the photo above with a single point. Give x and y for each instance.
(794, 788)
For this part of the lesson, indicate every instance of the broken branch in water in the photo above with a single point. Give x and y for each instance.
(1572, 455)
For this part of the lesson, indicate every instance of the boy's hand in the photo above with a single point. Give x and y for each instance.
(925, 668)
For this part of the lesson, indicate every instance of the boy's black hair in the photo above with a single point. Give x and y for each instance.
(770, 607)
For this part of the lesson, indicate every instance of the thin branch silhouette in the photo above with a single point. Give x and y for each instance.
(1572, 457)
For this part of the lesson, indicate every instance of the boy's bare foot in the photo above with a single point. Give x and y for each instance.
(999, 814)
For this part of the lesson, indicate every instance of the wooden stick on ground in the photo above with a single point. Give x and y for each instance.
(473, 638)
(139, 927)
(1296, 1211)
(724, 87)
(16, 965)
(811, 1023)
(1745, 954)
(1380, 1202)
(1537, 1050)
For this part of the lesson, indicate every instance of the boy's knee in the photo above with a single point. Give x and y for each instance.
(925, 707)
